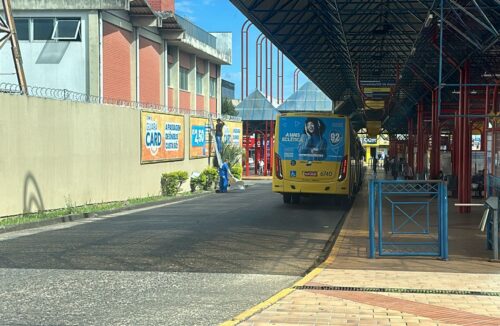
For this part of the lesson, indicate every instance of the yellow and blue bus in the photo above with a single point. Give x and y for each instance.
(316, 154)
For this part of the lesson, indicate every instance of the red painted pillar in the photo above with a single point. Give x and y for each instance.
(266, 134)
(258, 149)
(436, 137)
(247, 151)
(464, 151)
(420, 138)
(271, 140)
(411, 145)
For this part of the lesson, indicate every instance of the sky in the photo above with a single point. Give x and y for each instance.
(222, 16)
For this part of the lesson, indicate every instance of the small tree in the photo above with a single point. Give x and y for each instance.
(232, 153)
(228, 107)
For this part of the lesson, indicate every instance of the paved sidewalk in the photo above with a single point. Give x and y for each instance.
(350, 289)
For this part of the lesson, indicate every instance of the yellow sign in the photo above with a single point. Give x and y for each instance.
(377, 89)
(374, 104)
(232, 133)
(162, 137)
(198, 146)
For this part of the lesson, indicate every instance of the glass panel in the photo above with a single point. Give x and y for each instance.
(183, 82)
(67, 29)
(213, 87)
(22, 28)
(43, 28)
(199, 84)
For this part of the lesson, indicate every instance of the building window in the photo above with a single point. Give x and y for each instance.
(22, 29)
(169, 73)
(183, 79)
(199, 84)
(213, 87)
(67, 29)
(43, 29)
(49, 28)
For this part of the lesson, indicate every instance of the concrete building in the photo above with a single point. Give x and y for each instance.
(128, 50)
(227, 89)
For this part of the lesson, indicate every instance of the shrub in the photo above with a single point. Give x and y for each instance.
(209, 176)
(172, 182)
(236, 171)
(198, 182)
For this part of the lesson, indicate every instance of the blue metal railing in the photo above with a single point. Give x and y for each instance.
(411, 199)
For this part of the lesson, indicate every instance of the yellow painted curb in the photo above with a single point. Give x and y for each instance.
(306, 279)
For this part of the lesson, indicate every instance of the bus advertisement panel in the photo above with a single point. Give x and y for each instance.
(312, 138)
(199, 137)
(162, 137)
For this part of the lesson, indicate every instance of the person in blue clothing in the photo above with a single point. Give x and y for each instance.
(224, 173)
(312, 145)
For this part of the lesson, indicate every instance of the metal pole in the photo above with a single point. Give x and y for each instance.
(420, 138)
(441, 31)
(436, 136)
(266, 133)
(243, 59)
(16, 52)
(371, 210)
(270, 75)
(282, 77)
(484, 142)
(495, 233)
(247, 151)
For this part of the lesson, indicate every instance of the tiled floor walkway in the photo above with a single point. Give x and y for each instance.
(341, 291)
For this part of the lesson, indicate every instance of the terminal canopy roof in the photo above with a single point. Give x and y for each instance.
(255, 107)
(308, 98)
(345, 46)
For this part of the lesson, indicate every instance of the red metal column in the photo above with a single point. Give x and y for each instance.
(436, 138)
(484, 139)
(247, 151)
(420, 138)
(464, 151)
(272, 148)
(411, 145)
(266, 133)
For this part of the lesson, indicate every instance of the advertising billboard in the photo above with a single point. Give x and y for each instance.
(162, 137)
(198, 147)
(232, 133)
(312, 139)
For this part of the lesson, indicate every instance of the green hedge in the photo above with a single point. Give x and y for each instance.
(206, 180)
(172, 182)
(236, 171)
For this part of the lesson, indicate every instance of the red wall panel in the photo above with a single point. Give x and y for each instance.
(116, 49)
(170, 97)
(213, 105)
(185, 100)
(163, 5)
(149, 71)
(200, 103)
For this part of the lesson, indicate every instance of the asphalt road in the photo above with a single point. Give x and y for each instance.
(196, 262)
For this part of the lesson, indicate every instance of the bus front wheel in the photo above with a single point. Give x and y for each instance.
(287, 198)
(295, 198)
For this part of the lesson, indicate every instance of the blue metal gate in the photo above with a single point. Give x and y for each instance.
(409, 218)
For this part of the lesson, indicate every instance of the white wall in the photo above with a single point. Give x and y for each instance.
(50, 64)
(56, 151)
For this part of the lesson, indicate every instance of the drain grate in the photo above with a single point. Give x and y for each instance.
(396, 290)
